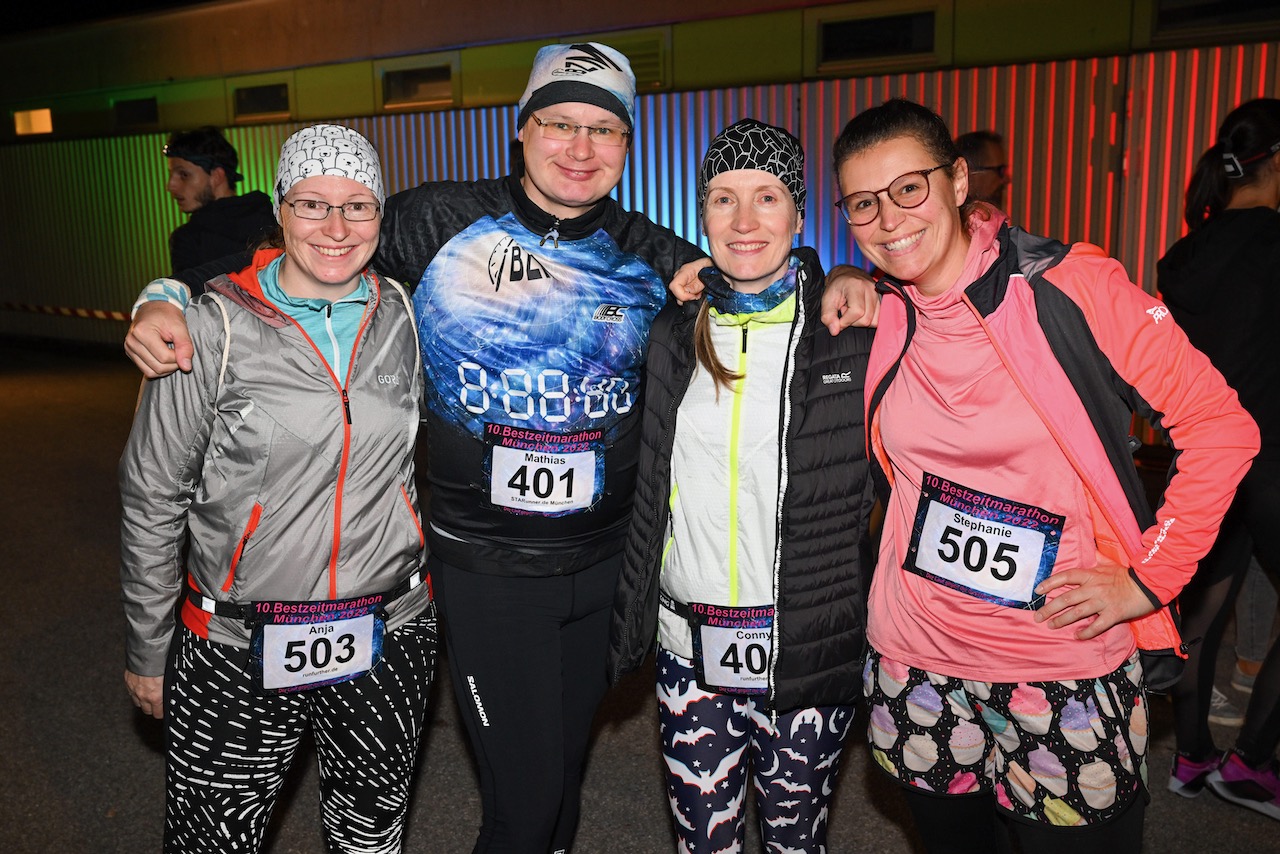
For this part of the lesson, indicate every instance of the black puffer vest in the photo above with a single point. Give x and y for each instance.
(824, 545)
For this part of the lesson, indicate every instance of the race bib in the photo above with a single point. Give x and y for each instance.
(732, 648)
(533, 471)
(296, 646)
(983, 545)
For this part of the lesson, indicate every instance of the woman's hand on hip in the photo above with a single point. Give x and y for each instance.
(1104, 594)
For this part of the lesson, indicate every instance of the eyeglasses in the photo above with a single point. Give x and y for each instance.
(565, 131)
(1001, 169)
(907, 191)
(316, 209)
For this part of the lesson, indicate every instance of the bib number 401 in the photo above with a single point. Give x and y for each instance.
(973, 550)
(542, 483)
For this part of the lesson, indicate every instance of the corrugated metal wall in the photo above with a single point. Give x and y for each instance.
(1100, 148)
(1178, 99)
(1050, 114)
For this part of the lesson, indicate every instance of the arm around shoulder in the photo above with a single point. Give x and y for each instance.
(850, 299)
(158, 341)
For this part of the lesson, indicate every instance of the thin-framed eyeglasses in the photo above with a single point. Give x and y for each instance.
(565, 131)
(909, 190)
(316, 209)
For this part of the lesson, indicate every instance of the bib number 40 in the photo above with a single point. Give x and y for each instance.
(973, 551)
(755, 658)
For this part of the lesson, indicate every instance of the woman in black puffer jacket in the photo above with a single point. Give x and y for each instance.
(749, 538)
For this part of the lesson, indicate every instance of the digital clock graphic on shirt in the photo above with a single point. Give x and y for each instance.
(535, 351)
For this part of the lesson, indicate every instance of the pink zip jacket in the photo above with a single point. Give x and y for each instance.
(1087, 347)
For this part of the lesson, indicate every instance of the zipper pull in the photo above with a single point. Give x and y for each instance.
(346, 405)
(553, 234)
(744, 338)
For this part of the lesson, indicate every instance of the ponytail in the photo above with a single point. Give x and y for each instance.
(705, 351)
(1248, 138)
(1208, 191)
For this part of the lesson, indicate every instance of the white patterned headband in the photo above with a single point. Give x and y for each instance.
(327, 150)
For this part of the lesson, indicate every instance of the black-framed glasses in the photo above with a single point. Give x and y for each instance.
(316, 209)
(565, 131)
(908, 190)
(1001, 169)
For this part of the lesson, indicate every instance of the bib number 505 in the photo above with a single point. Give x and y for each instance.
(973, 551)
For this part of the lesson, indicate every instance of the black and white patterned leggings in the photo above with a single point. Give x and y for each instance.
(229, 747)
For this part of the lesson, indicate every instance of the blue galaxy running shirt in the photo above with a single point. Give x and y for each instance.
(533, 354)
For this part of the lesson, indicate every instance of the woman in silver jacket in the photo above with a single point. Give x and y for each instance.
(270, 493)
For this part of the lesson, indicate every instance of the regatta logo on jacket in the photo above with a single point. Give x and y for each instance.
(842, 377)
(1158, 313)
(606, 313)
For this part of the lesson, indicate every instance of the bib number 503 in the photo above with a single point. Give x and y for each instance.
(318, 652)
(972, 550)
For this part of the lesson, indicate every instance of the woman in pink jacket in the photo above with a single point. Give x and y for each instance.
(1020, 569)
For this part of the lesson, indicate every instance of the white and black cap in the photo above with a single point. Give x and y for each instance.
(588, 73)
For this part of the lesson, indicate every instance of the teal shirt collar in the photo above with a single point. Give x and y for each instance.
(269, 279)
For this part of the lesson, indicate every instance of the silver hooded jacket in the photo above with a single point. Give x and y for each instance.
(260, 475)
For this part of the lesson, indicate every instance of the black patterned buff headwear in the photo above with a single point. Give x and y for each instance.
(751, 144)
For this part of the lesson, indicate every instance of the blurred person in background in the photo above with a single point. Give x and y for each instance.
(1222, 284)
(202, 180)
(984, 152)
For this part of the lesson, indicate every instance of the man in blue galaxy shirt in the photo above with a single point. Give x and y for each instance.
(534, 296)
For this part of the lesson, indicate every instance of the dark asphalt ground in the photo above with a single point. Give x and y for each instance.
(81, 771)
